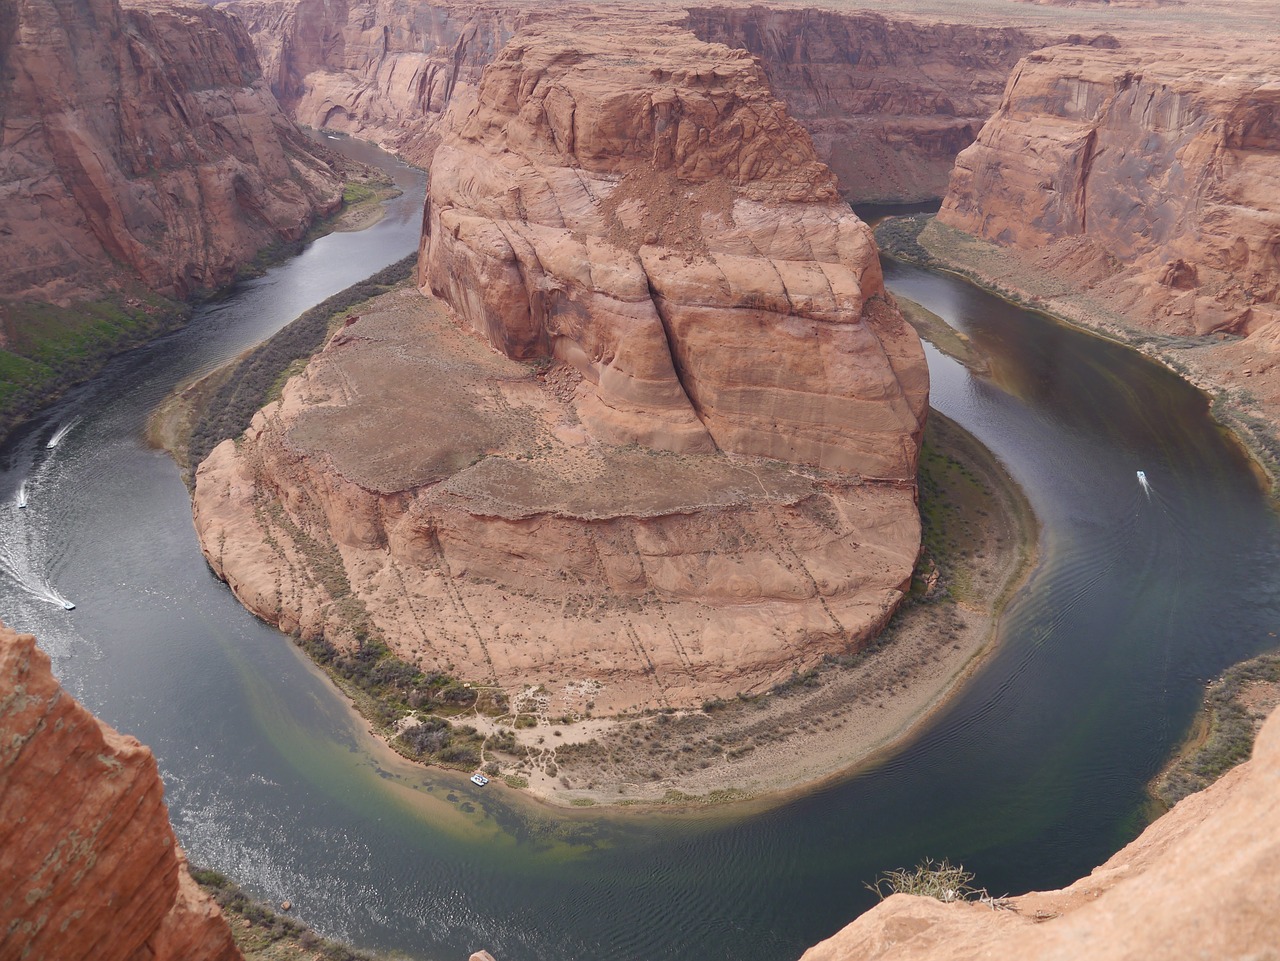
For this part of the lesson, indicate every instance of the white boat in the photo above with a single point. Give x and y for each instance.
(68, 606)
(22, 495)
(1142, 477)
(479, 779)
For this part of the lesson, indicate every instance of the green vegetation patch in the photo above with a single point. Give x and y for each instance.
(259, 375)
(263, 934)
(47, 348)
(1224, 733)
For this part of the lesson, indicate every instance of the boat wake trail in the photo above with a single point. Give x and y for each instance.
(19, 542)
(61, 432)
(1145, 484)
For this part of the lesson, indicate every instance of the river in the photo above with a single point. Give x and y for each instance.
(1031, 776)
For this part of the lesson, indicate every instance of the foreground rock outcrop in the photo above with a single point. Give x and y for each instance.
(91, 869)
(141, 145)
(1203, 881)
(689, 470)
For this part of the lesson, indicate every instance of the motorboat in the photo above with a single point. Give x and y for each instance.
(479, 780)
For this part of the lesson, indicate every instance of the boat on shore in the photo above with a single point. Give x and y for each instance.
(479, 779)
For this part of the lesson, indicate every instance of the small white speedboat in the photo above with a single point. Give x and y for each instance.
(1142, 477)
(68, 606)
(22, 495)
(479, 779)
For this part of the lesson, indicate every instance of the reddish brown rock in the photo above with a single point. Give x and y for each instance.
(140, 142)
(1203, 881)
(888, 100)
(91, 869)
(1146, 174)
(635, 203)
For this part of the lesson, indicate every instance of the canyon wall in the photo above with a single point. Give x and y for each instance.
(141, 144)
(91, 868)
(1200, 882)
(888, 101)
(1152, 180)
(688, 469)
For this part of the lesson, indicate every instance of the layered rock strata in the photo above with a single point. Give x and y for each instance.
(637, 204)
(1201, 882)
(1151, 180)
(91, 869)
(141, 144)
(689, 468)
(888, 100)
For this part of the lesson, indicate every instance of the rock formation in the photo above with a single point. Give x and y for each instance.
(1200, 882)
(91, 869)
(692, 471)
(639, 206)
(141, 144)
(888, 100)
(1152, 181)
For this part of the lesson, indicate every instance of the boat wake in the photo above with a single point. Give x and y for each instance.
(61, 432)
(1144, 483)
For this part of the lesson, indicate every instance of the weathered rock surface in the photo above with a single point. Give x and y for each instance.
(140, 143)
(1203, 881)
(888, 100)
(91, 869)
(417, 483)
(636, 203)
(1153, 183)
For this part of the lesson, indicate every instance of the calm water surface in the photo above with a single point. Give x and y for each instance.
(1032, 776)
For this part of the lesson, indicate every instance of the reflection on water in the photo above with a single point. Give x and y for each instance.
(1031, 776)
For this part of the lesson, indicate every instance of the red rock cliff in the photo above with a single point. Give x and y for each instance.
(633, 201)
(140, 142)
(888, 101)
(706, 477)
(91, 869)
(1149, 175)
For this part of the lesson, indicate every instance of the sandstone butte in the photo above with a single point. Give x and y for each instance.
(91, 868)
(1199, 882)
(689, 466)
(887, 95)
(141, 144)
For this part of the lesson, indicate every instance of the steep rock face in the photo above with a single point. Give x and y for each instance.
(140, 142)
(636, 203)
(888, 102)
(383, 70)
(91, 868)
(1201, 882)
(1151, 184)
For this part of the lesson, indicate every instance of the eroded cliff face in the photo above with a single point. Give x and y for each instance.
(636, 203)
(1150, 181)
(690, 468)
(383, 70)
(140, 143)
(91, 869)
(888, 102)
(1200, 882)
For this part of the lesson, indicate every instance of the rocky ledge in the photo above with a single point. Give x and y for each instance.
(91, 869)
(1200, 882)
(689, 468)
